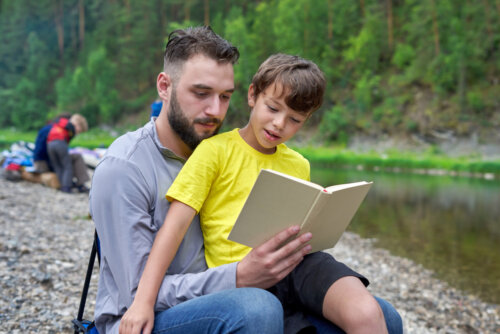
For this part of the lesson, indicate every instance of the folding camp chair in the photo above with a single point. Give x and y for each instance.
(81, 325)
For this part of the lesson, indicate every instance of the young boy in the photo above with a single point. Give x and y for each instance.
(58, 138)
(216, 180)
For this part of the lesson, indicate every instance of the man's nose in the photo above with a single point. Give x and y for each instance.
(214, 107)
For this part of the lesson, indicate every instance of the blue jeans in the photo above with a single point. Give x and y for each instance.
(393, 320)
(244, 310)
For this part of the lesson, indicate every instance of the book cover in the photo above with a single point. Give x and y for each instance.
(278, 201)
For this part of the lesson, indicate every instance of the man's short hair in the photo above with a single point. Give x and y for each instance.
(185, 43)
(302, 81)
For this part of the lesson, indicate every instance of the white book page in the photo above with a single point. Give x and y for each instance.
(338, 187)
(310, 184)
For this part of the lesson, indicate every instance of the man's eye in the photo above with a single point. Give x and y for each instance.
(225, 97)
(201, 94)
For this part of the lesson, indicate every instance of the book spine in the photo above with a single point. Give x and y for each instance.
(317, 204)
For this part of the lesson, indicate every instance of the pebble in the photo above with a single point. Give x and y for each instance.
(45, 242)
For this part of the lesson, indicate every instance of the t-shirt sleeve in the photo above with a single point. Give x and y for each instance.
(307, 168)
(298, 165)
(192, 184)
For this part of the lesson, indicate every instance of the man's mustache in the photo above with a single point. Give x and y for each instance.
(206, 120)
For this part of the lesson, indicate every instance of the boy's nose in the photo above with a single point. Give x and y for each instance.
(279, 122)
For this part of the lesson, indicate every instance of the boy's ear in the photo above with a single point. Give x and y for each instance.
(251, 96)
(164, 86)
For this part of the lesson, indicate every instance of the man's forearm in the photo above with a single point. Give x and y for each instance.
(181, 287)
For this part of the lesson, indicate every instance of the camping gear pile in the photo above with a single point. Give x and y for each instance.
(17, 163)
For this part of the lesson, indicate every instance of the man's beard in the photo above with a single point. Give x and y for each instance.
(184, 129)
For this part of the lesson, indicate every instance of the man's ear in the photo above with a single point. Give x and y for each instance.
(251, 96)
(164, 86)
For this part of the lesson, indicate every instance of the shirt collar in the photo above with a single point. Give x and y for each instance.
(167, 153)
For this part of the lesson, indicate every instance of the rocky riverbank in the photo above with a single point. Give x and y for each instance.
(45, 239)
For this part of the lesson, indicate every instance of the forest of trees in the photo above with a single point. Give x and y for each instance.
(393, 66)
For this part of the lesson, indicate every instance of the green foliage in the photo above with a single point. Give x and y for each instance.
(90, 90)
(262, 37)
(446, 49)
(388, 114)
(366, 91)
(475, 101)
(31, 96)
(288, 25)
(336, 123)
(403, 55)
(365, 49)
(237, 32)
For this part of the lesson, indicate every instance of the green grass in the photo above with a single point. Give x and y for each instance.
(9, 136)
(91, 139)
(401, 161)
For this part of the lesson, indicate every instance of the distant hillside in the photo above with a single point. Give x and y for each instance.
(421, 70)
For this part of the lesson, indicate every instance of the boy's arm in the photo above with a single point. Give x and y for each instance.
(140, 315)
(164, 248)
(120, 202)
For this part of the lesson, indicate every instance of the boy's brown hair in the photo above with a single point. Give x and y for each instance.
(79, 120)
(302, 81)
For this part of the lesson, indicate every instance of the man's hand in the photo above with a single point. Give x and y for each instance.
(138, 319)
(270, 262)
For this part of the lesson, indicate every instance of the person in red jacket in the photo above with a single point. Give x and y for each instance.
(58, 139)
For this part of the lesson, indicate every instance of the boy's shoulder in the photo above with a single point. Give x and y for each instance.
(293, 154)
(293, 162)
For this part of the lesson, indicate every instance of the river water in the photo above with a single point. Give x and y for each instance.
(448, 224)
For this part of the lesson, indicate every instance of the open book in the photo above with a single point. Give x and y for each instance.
(278, 201)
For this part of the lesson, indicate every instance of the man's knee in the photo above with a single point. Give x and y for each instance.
(242, 311)
(261, 310)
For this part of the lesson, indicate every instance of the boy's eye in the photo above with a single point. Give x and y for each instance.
(295, 120)
(272, 108)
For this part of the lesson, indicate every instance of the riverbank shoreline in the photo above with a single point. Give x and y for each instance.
(467, 157)
(45, 240)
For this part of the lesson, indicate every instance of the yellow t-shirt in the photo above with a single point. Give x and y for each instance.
(216, 180)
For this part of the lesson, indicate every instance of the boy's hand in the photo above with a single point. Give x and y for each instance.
(270, 262)
(138, 319)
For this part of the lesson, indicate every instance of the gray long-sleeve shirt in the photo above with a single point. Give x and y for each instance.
(128, 206)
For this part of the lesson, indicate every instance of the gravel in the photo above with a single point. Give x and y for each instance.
(45, 240)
